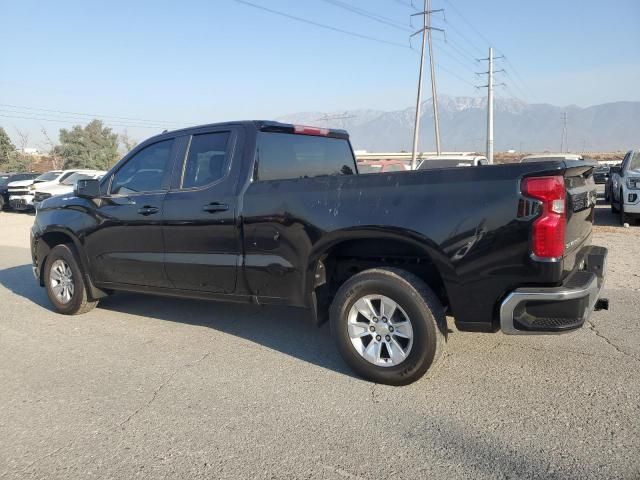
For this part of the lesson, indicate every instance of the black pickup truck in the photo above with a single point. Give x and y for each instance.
(271, 213)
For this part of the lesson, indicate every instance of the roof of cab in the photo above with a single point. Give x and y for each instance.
(270, 125)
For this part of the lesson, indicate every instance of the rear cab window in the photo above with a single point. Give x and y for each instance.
(283, 156)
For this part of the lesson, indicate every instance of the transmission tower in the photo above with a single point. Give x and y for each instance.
(426, 38)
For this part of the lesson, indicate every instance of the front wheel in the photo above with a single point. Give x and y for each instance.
(65, 283)
(623, 215)
(388, 325)
(614, 209)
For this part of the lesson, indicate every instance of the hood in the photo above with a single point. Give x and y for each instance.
(21, 183)
(54, 188)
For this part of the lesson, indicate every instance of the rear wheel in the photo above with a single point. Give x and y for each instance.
(388, 325)
(64, 282)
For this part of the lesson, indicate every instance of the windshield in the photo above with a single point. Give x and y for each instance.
(72, 179)
(47, 177)
(4, 179)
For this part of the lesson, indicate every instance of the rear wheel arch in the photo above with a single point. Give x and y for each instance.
(347, 257)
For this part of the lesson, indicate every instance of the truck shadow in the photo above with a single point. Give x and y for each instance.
(20, 281)
(604, 217)
(287, 330)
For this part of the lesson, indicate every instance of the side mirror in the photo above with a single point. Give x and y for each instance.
(87, 188)
(613, 170)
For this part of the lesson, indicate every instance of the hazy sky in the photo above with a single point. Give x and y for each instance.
(193, 62)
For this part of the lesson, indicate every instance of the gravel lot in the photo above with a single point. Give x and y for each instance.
(164, 388)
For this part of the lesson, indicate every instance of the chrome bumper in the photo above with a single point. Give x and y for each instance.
(554, 310)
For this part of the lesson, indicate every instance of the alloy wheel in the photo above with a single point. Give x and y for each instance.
(380, 330)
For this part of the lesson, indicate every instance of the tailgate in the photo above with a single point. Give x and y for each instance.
(581, 202)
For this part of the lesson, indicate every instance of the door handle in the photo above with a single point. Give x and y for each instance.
(148, 210)
(216, 207)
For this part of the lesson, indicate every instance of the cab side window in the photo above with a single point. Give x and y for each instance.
(145, 171)
(207, 159)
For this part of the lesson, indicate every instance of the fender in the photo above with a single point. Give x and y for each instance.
(315, 274)
(42, 248)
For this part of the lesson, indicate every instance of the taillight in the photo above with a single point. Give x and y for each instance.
(304, 130)
(549, 228)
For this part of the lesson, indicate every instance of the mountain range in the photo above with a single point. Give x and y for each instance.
(528, 127)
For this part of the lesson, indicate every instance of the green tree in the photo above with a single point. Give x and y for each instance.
(93, 146)
(7, 148)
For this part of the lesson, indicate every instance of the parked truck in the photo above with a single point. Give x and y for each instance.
(624, 188)
(272, 213)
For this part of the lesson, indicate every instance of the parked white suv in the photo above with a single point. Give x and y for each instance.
(21, 194)
(625, 187)
(63, 187)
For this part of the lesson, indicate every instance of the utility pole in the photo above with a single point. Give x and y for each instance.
(426, 36)
(490, 85)
(564, 142)
(490, 109)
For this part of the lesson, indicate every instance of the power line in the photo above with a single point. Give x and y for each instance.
(406, 4)
(519, 78)
(453, 7)
(459, 58)
(320, 25)
(487, 41)
(93, 115)
(463, 36)
(455, 75)
(72, 122)
(516, 86)
(368, 14)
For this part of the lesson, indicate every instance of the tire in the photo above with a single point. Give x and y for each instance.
(66, 286)
(623, 216)
(399, 361)
(614, 209)
(1, 203)
(606, 195)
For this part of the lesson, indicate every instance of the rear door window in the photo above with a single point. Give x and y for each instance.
(284, 156)
(207, 160)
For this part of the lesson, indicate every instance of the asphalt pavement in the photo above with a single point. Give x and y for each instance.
(148, 387)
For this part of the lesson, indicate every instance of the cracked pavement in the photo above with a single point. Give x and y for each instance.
(153, 387)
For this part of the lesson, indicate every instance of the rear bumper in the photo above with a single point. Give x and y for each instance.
(540, 310)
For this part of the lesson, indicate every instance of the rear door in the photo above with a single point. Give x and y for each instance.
(127, 247)
(202, 237)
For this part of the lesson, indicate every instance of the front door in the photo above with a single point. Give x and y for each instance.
(127, 247)
(202, 239)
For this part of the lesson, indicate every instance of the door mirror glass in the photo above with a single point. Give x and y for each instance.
(615, 169)
(87, 188)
